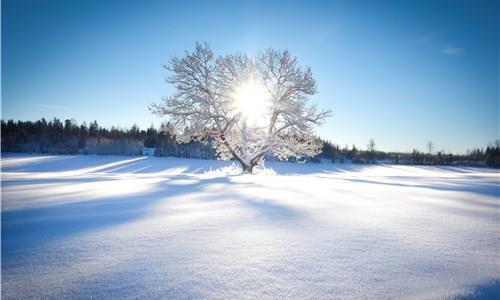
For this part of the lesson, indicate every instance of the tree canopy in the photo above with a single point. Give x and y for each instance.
(249, 105)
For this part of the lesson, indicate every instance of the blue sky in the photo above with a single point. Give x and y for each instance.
(400, 72)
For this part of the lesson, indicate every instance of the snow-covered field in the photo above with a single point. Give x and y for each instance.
(148, 227)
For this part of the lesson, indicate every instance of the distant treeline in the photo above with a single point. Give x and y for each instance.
(67, 137)
(57, 137)
(489, 156)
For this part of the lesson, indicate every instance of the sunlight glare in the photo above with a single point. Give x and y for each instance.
(252, 100)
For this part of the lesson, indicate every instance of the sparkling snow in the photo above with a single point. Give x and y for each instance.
(149, 227)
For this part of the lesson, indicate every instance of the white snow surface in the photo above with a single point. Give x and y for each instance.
(151, 227)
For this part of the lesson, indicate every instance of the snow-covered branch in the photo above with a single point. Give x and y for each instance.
(205, 101)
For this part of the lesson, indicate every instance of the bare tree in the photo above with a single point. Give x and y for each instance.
(248, 105)
(371, 145)
(430, 147)
(371, 150)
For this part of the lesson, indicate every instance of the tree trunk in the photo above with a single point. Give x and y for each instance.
(247, 168)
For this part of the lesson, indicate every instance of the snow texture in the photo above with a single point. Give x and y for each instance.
(150, 227)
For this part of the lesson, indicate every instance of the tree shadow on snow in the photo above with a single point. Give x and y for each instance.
(471, 186)
(483, 291)
(27, 230)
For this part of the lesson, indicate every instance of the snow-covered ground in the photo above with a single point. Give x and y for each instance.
(148, 227)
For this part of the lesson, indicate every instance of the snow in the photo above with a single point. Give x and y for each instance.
(151, 227)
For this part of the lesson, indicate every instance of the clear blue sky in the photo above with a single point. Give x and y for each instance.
(401, 72)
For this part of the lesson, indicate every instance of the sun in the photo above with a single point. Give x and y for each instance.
(252, 100)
